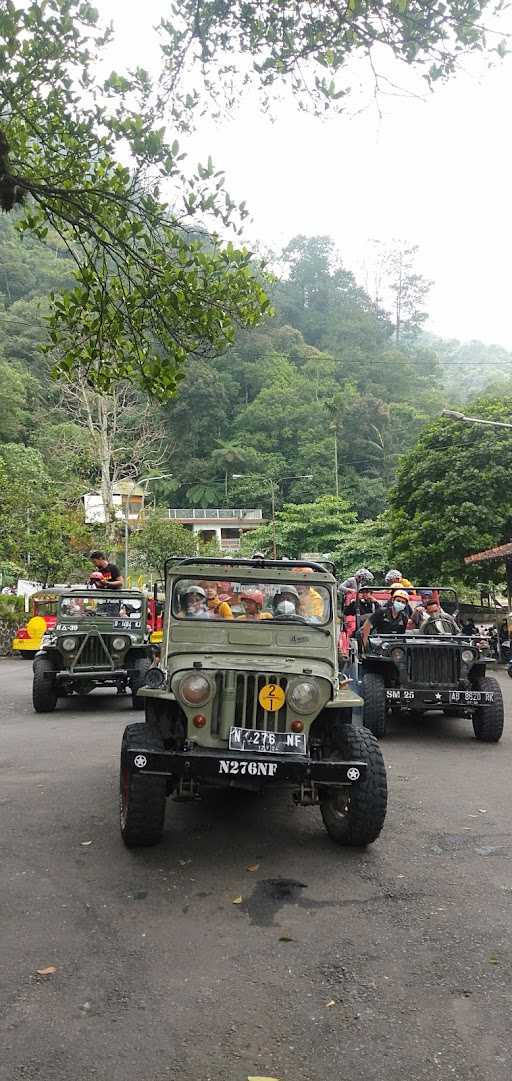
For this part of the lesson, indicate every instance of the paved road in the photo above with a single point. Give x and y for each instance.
(394, 963)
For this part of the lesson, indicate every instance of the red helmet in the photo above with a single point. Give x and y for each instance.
(96, 576)
(254, 595)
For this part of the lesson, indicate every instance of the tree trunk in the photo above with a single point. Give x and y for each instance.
(107, 494)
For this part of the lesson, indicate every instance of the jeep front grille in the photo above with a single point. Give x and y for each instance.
(237, 702)
(433, 664)
(93, 653)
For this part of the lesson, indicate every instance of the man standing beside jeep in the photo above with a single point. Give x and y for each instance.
(111, 577)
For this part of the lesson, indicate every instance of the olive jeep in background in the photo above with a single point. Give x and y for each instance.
(251, 701)
(99, 640)
(433, 668)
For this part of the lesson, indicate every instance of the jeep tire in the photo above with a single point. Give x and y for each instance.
(44, 686)
(374, 710)
(137, 680)
(355, 816)
(488, 720)
(142, 798)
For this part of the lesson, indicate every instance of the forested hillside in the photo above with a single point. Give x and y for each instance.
(470, 368)
(328, 379)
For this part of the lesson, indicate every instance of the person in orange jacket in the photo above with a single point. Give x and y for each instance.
(311, 604)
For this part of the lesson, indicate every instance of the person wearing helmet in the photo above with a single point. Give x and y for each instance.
(391, 618)
(258, 555)
(252, 600)
(110, 576)
(311, 605)
(395, 577)
(286, 603)
(362, 577)
(193, 603)
(219, 609)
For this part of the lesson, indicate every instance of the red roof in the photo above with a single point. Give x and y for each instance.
(490, 553)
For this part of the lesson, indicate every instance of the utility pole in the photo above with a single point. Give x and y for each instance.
(273, 494)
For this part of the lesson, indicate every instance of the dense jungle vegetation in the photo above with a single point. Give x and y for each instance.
(330, 374)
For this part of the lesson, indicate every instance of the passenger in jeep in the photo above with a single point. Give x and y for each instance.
(428, 606)
(252, 600)
(365, 605)
(285, 604)
(392, 618)
(218, 607)
(193, 603)
(311, 604)
(111, 577)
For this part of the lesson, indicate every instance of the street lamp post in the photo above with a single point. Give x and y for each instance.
(273, 485)
(452, 414)
(142, 481)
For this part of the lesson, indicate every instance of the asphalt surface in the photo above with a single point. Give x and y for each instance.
(389, 963)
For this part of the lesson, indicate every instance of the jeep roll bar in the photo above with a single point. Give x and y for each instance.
(271, 564)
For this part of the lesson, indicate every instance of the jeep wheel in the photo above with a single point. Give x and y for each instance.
(137, 680)
(355, 815)
(44, 686)
(142, 798)
(374, 695)
(488, 720)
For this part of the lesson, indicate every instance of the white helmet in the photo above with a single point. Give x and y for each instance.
(393, 576)
(363, 575)
(285, 608)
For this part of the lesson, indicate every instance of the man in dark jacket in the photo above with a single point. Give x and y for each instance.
(391, 618)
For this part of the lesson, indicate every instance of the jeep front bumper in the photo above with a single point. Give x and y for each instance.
(229, 766)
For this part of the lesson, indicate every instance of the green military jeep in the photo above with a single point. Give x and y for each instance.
(248, 695)
(100, 639)
(433, 666)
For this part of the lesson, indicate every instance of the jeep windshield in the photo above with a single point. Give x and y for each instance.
(78, 608)
(251, 600)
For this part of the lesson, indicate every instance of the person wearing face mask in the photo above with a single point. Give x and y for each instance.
(392, 618)
(193, 602)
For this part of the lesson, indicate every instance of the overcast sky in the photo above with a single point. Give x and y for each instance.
(435, 172)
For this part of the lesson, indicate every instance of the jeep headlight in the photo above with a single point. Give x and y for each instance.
(467, 655)
(194, 689)
(69, 644)
(118, 643)
(397, 653)
(304, 697)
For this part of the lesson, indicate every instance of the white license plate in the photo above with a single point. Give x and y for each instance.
(253, 739)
